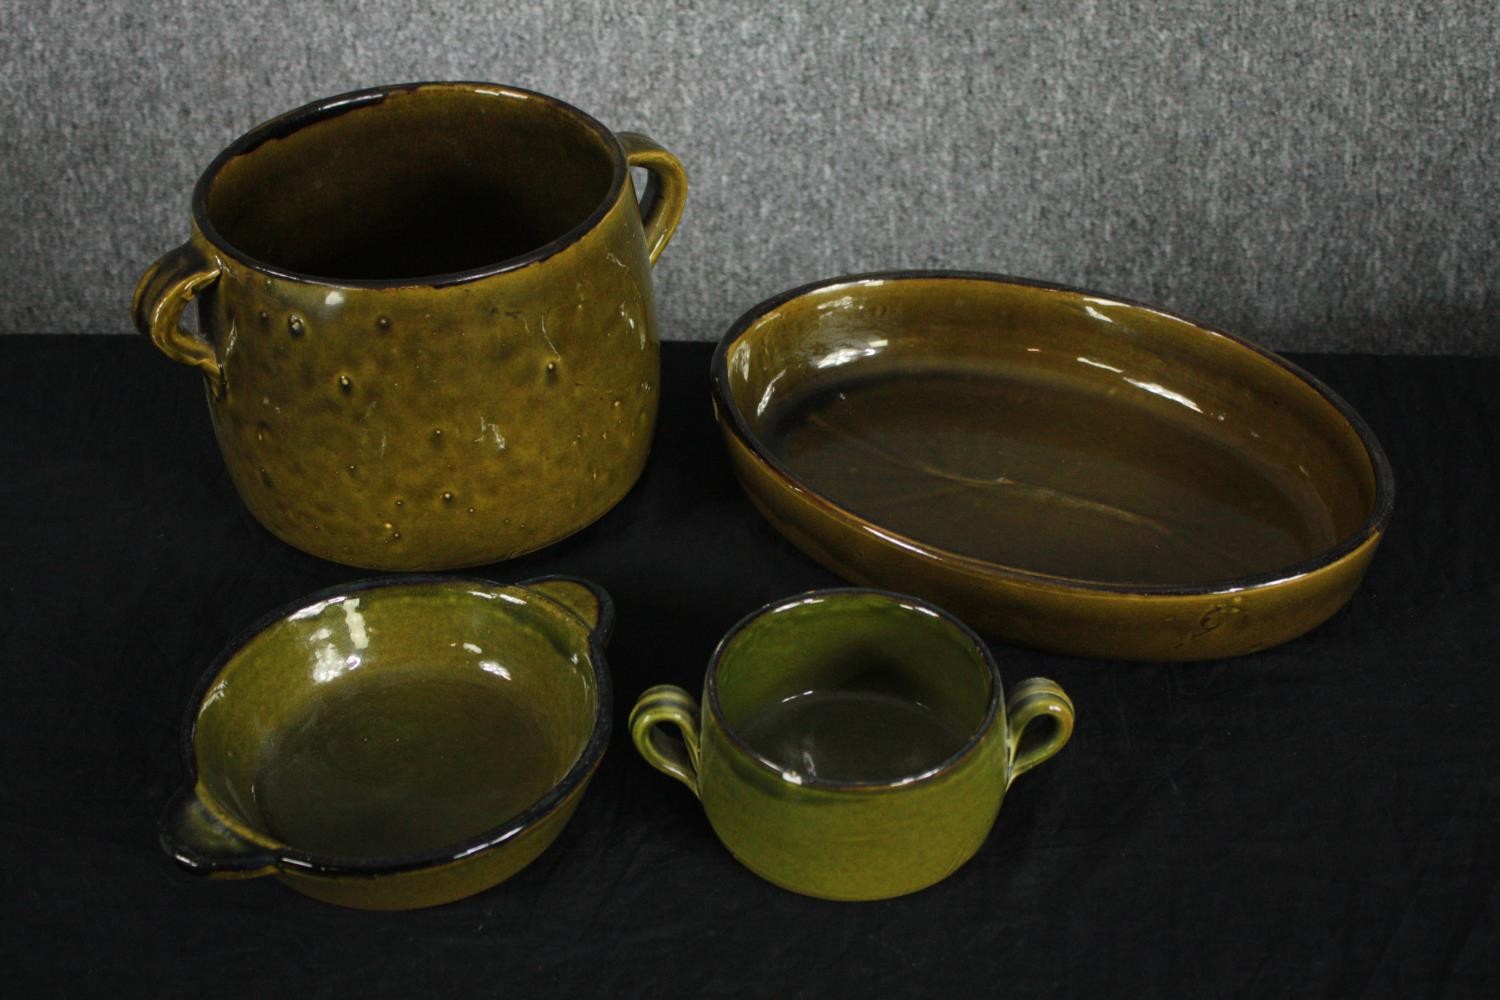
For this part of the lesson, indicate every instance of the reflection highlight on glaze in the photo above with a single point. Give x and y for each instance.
(837, 304)
(896, 540)
(315, 609)
(493, 667)
(355, 623)
(1160, 390)
(769, 396)
(1155, 388)
(844, 355)
(329, 664)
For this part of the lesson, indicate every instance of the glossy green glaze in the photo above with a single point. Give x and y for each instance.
(851, 744)
(1063, 470)
(399, 743)
(428, 335)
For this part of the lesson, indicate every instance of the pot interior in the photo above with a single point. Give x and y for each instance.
(411, 183)
(1049, 431)
(398, 720)
(852, 686)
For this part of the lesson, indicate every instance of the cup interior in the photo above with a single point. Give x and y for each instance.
(853, 687)
(406, 183)
(398, 720)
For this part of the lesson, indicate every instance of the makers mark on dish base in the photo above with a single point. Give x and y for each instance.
(1214, 618)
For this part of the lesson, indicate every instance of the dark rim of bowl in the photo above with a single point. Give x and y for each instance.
(992, 712)
(1375, 522)
(321, 864)
(331, 107)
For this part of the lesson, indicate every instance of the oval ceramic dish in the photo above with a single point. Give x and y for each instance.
(1062, 470)
(396, 743)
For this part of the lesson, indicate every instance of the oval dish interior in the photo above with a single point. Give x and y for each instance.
(1049, 431)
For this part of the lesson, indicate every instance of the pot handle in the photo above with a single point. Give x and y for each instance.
(160, 296)
(668, 703)
(201, 842)
(666, 189)
(1032, 700)
(587, 601)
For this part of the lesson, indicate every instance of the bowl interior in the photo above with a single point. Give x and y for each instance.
(852, 686)
(431, 180)
(1048, 430)
(398, 720)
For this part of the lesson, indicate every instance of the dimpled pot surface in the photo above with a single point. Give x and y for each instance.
(429, 339)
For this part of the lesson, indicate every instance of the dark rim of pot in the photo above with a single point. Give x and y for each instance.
(1374, 523)
(322, 110)
(971, 743)
(328, 864)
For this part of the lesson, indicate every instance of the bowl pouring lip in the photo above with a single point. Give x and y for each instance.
(577, 775)
(992, 715)
(331, 107)
(1374, 524)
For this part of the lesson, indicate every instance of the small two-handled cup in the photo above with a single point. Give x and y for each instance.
(852, 744)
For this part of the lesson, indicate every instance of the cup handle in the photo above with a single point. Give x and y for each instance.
(666, 190)
(1031, 700)
(668, 703)
(160, 296)
(203, 844)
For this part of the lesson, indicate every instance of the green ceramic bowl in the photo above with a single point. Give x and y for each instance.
(1061, 469)
(396, 743)
(852, 744)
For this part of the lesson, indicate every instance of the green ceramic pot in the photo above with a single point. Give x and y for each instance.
(427, 330)
(852, 744)
(396, 743)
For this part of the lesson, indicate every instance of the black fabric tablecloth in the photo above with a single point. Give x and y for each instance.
(1321, 819)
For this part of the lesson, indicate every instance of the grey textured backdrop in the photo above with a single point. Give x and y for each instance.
(1313, 175)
